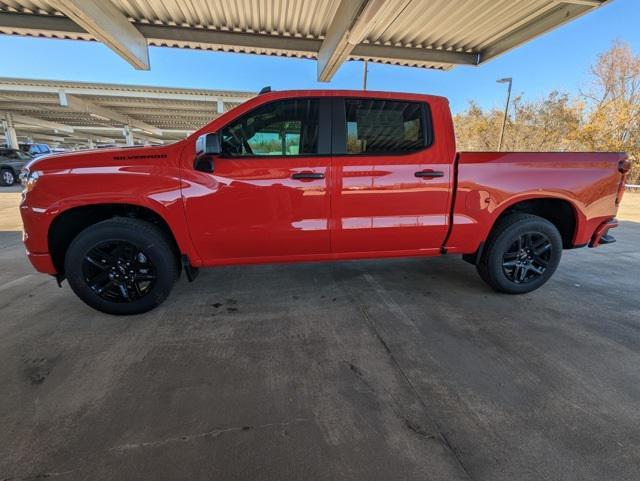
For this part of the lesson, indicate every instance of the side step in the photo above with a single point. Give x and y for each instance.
(601, 236)
(607, 239)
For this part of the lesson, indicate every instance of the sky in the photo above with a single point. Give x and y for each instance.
(559, 60)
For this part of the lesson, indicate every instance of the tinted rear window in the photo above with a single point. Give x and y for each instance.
(384, 126)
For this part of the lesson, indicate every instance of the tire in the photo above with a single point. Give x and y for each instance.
(7, 177)
(521, 254)
(121, 252)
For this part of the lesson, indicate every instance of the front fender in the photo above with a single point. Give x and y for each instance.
(62, 191)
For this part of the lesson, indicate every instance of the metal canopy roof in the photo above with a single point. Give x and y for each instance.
(73, 114)
(424, 33)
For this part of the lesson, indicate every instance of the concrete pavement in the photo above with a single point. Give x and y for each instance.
(380, 370)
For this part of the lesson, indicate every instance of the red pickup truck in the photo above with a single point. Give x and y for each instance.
(309, 176)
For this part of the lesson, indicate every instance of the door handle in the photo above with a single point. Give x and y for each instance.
(307, 175)
(429, 173)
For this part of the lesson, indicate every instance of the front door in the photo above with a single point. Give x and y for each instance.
(392, 178)
(267, 197)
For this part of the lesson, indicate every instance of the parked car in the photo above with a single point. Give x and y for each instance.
(11, 163)
(311, 176)
(35, 150)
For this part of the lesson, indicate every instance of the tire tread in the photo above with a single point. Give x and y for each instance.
(165, 253)
(483, 267)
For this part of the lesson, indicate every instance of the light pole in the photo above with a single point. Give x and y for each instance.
(508, 80)
(365, 70)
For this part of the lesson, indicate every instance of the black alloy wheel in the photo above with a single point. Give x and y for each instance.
(119, 271)
(122, 266)
(521, 254)
(527, 258)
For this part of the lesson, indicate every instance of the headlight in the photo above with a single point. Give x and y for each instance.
(29, 179)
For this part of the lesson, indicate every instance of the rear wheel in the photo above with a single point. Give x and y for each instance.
(521, 254)
(7, 177)
(121, 266)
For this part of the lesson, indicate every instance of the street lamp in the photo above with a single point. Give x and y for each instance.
(365, 70)
(506, 80)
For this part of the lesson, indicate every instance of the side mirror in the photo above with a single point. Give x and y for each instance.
(207, 145)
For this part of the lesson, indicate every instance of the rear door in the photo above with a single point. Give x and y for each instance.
(267, 197)
(392, 182)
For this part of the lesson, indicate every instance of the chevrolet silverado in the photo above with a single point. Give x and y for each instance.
(301, 176)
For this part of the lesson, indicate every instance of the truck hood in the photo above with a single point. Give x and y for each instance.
(101, 157)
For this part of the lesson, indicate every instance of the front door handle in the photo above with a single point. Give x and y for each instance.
(307, 175)
(429, 173)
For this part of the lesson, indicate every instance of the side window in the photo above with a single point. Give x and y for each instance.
(44, 149)
(383, 126)
(286, 127)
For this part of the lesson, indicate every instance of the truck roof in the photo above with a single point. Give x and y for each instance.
(276, 94)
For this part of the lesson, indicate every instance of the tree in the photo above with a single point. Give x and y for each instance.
(612, 120)
(548, 125)
(606, 117)
(477, 130)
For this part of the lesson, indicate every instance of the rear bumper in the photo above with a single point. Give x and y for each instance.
(42, 263)
(601, 235)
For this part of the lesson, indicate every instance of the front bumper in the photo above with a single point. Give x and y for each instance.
(42, 263)
(601, 235)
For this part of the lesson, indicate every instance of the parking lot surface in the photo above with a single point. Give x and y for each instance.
(378, 370)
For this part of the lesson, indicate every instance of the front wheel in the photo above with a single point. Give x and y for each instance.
(121, 266)
(521, 254)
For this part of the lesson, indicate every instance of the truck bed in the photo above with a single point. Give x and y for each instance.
(488, 183)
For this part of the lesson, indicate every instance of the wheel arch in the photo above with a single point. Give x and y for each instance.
(561, 212)
(70, 222)
(10, 169)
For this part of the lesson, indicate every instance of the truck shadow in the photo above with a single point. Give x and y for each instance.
(278, 283)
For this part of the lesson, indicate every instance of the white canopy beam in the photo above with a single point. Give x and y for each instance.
(41, 136)
(128, 135)
(35, 122)
(201, 38)
(351, 24)
(335, 47)
(78, 104)
(589, 3)
(104, 21)
(432, 34)
(147, 138)
(552, 19)
(10, 84)
(9, 132)
(80, 135)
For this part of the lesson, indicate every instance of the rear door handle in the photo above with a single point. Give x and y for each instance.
(307, 175)
(429, 173)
